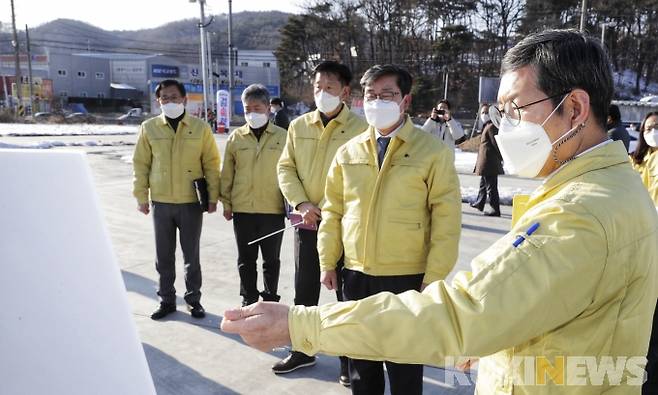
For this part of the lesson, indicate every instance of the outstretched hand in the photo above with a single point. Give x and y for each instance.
(262, 325)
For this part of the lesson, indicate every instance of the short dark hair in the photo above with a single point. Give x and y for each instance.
(642, 146)
(566, 59)
(446, 102)
(341, 71)
(167, 83)
(404, 79)
(277, 101)
(614, 113)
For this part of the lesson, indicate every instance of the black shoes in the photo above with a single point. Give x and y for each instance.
(293, 362)
(196, 310)
(476, 206)
(247, 302)
(344, 378)
(164, 310)
(492, 213)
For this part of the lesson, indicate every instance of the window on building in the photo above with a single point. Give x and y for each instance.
(63, 93)
(244, 64)
(61, 73)
(100, 76)
(101, 95)
(266, 64)
(82, 74)
(83, 94)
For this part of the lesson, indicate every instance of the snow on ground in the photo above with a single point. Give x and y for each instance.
(465, 161)
(22, 129)
(469, 194)
(55, 143)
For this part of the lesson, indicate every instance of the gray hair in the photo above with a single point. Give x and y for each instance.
(256, 92)
(564, 60)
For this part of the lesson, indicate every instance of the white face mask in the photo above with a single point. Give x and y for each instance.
(256, 120)
(381, 114)
(526, 146)
(484, 118)
(652, 138)
(173, 110)
(326, 102)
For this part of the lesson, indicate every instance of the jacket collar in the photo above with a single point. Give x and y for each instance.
(245, 129)
(599, 158)
(404, 133)
(341, 118)
(185, 120)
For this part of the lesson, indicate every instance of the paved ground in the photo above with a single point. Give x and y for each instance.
(192, 357)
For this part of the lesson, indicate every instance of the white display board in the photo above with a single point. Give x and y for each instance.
(65, 322)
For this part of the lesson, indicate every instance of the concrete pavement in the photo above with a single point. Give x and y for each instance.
(188, 356)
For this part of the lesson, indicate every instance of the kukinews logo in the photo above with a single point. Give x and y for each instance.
(554, 371)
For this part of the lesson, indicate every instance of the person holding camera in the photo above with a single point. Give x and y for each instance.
(443, 126)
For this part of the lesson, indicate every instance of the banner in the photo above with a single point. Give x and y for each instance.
(223, 110)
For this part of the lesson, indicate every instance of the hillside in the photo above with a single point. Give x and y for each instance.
(251, 30)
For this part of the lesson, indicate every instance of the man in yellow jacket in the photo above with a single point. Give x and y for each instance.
(313, 140)
(561, 304)
(393, 205)
(251, 196)
(174, 149)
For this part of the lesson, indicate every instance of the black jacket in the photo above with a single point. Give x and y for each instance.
(281, 119)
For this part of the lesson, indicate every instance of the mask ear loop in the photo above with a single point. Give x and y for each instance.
(564, 140)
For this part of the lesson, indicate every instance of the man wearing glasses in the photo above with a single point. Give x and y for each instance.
(571, 289)
(393, 205)
(174, 149)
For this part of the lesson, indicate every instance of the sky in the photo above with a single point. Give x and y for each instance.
(129, 14)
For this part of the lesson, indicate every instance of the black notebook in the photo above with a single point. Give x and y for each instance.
(201, 187)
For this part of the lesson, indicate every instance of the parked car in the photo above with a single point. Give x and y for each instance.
(135, 115)
(80, 117)
(46, 116)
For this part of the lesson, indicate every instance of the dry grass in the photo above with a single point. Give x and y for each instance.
(470, 145)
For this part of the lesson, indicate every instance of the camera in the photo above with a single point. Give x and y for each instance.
(440, 112)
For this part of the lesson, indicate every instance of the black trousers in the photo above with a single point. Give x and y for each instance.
(368, 376)
(651, 385)
(307, 269)
(248, 227)
(167, 219)
(488, 186)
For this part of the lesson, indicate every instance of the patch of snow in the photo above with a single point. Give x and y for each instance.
(465, 161)
(469, 194)
(21, 129)
(56, 144)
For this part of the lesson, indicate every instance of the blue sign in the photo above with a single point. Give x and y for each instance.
(163, 71)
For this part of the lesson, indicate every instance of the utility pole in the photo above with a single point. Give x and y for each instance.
(445, 88)
(583, 12)
(29, 69)
(16, 52)
(230, 59)
(209, 71)
(603, 26)
(204, 67)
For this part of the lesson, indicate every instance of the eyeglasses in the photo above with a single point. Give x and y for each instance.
(386, 96)
(512, 112)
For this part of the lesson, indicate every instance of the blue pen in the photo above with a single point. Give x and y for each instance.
(531, 230)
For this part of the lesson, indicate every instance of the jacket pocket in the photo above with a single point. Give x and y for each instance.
(403, 242)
